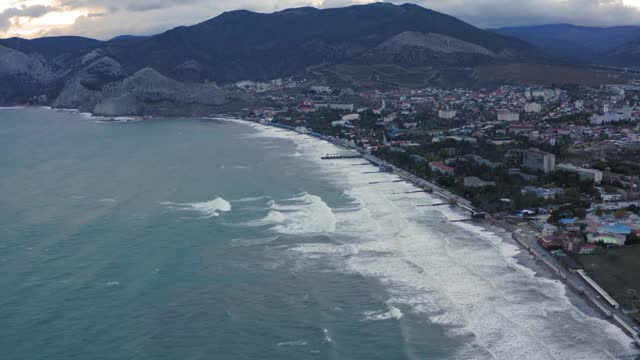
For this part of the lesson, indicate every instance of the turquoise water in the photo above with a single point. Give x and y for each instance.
(206, 239)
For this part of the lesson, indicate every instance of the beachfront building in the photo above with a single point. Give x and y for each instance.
(583, 173)
(439, 167)
(536, 159)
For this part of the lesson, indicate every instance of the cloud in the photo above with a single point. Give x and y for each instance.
(34, 11)
(108, 18)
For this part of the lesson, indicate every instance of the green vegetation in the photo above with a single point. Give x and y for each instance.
(616, 271)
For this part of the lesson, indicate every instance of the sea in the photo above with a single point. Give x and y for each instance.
(223, 239)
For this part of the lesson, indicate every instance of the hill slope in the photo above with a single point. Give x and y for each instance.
(247, 45)
(571, 41)
(241, 45)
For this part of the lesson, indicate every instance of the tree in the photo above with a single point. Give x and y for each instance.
(619, 214)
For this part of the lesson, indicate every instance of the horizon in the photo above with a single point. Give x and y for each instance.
(31, 19)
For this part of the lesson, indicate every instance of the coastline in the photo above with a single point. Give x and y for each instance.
(523, 258)
(526, 258)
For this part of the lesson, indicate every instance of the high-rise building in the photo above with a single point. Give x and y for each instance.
(536, 159)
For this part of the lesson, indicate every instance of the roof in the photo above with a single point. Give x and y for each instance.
(441, 166)
(620, 229)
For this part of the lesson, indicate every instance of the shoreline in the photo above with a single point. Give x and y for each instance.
(526, 258)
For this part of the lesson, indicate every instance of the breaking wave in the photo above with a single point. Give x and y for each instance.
(461, 276)
(207, 209)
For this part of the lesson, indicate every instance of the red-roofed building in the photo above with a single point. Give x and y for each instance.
(553, 242)
(440, 168)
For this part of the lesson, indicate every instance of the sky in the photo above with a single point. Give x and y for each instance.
(104, 19)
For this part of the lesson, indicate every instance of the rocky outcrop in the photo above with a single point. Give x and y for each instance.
(148, 92)
(14, 62)
(76, 96)
(99, 73)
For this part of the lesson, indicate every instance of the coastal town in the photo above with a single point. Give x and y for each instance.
(558, 166)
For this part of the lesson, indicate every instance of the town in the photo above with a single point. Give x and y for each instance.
(559, 163)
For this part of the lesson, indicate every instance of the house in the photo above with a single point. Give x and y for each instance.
(439, 167)
(587, 249)
(552, 242)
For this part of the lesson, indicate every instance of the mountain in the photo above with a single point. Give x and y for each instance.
(247, 45)
(626, 55)
(571, 41)
(239, 45)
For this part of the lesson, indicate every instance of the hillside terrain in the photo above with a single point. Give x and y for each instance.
(181, 67)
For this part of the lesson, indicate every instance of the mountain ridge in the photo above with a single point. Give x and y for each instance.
(240, 45)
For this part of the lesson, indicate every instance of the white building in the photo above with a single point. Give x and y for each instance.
(611, 117)
(507, 115)
(321, 89)
(536, 159)
(351, 117)
(533, 107)
(579, 104)
(340, 107)
(447, 114)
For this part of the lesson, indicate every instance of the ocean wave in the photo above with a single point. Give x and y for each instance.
(292, 343)
(391, 313)
(461, 276)
(304, 214)
(250, 199)
(208, 209)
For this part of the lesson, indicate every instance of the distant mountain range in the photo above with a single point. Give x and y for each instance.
(601, 45)
(176, 70)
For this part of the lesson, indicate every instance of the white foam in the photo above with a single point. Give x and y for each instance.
(112, 283)
(305, 214)
(208, 209)
(250, 199)
(292, 343)
(391, 313)
(325, 336)
(460, 275)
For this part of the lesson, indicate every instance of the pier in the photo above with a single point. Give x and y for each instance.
(348, 155)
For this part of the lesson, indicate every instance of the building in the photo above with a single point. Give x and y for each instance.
(440, 168)
(610, 117)
(473, 182)
(339, 107)
(523, 176)
(321, 89)
(501, 141)
(607, 239)
(579, 104)
(447, 114)
(536, 159)
(583, 173)
(543, 193)
(587, 249)
(532, 108)
(507, 115)
(351, 117)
